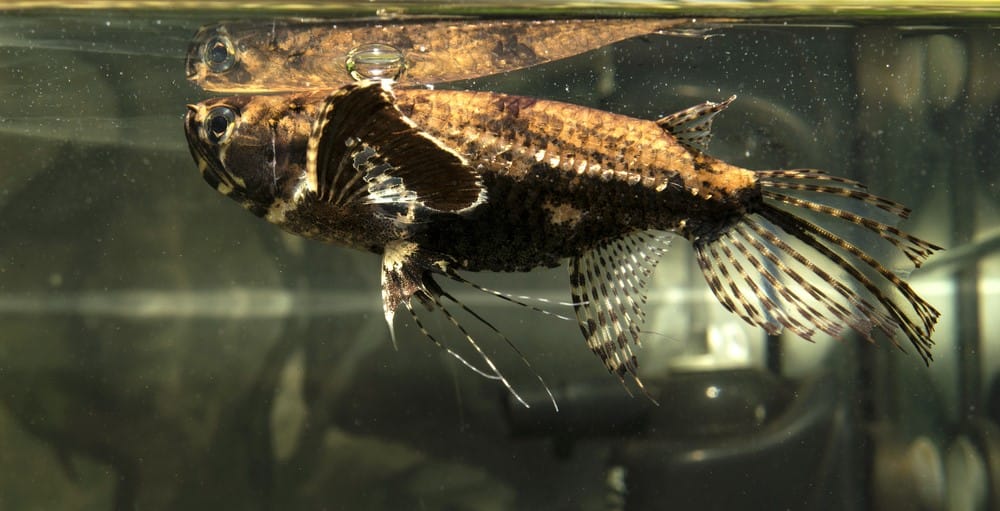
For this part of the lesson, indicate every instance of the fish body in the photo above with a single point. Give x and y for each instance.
(562, 183)
(444, 181)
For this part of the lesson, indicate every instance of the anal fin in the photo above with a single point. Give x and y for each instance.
(608, 286)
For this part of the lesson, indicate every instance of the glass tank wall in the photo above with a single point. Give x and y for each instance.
(162, 349)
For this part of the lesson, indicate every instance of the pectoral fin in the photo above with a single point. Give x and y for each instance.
(362, 148)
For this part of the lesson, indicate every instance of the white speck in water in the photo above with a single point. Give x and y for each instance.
(760, 413)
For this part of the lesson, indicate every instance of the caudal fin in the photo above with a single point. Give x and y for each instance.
(765, 268)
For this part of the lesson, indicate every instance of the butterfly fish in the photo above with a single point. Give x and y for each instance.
(440, 183)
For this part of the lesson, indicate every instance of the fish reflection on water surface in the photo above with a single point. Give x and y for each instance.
(299, 55)
(439, 182)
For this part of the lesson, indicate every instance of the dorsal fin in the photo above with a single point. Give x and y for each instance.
(693, 126)
(363, 148)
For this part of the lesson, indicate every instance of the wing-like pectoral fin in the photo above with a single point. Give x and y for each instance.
(363, 149)
(608, 286)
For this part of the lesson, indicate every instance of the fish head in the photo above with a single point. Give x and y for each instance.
(251, 148)
(247, 58)
(215, 59)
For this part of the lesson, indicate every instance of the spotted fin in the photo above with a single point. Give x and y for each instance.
(403, 277)
(780, 270)
(693, 126)
(608, 286)
(407, 272)
(362, 148)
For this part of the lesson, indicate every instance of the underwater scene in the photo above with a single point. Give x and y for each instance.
(649, 256)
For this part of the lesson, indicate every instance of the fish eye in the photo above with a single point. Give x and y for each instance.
(218, 54)
(219, 124)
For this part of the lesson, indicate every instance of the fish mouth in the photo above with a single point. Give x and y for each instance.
(206, 159)
(193, 63)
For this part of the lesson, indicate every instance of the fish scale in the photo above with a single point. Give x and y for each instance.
(643, 149)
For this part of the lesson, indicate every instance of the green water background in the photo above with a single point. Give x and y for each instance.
(162, 349)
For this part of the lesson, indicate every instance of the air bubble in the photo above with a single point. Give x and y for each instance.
(375, 61)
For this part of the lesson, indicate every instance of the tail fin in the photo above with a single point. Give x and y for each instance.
(776, 282)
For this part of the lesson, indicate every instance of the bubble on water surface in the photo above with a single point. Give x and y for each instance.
(375, 61)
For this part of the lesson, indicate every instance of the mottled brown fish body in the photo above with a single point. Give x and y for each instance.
(573, 140)
(565, 178)
(439, 181)
(290, 55)
(561, 178)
